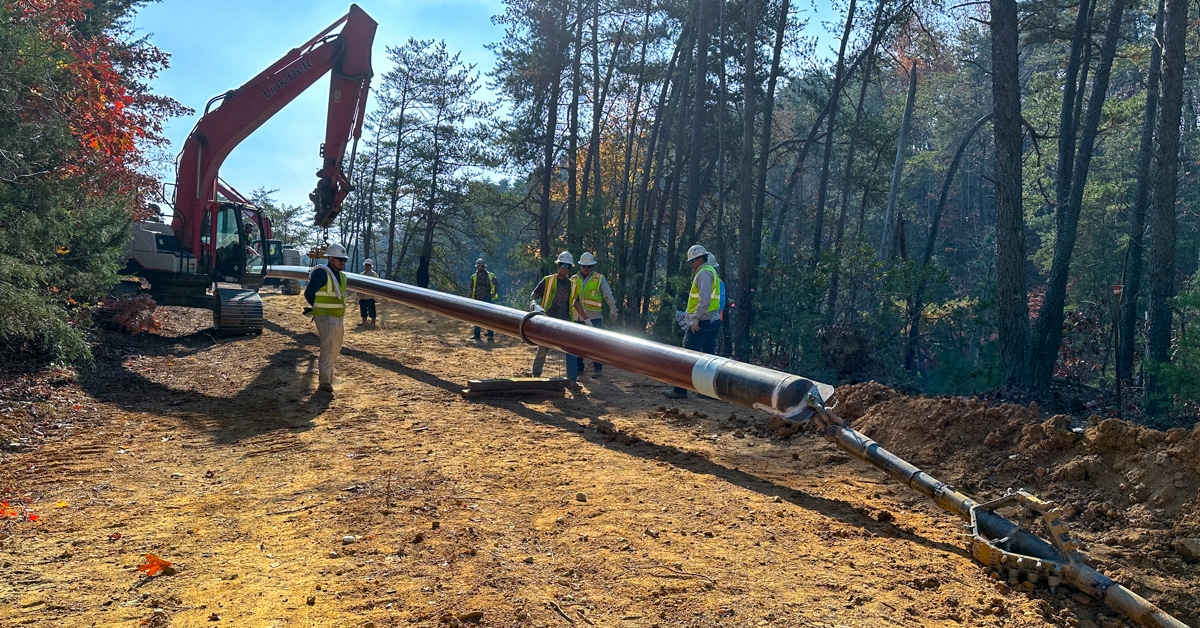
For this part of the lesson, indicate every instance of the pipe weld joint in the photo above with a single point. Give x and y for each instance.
(521, 327)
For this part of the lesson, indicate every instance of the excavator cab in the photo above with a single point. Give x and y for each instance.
(239, 245)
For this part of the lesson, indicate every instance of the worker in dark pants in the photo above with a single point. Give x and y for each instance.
(366, 307)
(592, 288)
(484, 288)
(557, 296)
(703, 316)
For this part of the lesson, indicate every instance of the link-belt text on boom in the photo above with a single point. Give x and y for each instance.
(291, 75)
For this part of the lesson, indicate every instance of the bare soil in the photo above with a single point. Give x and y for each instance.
(400, 502)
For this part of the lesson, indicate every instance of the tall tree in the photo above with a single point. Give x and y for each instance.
(1012, 303)
(1134, 253)
(399, 92)
(1047, 333)
(747, 244)
(827, 150)
(445, 146)
(890, 242)
(699, 105)
(1166, 182)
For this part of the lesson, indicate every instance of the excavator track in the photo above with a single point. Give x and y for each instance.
(237, 312)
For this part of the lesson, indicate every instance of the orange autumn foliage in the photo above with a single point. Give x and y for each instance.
(153, 566)
(99, 88)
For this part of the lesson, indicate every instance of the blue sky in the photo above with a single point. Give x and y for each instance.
(217, 45)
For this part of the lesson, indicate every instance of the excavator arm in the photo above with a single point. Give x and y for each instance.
(347, 55)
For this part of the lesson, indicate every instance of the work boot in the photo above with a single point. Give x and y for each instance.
(671, 393)
(325, 388)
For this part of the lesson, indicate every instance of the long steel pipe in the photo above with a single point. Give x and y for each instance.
(781, 394)
(746, 385)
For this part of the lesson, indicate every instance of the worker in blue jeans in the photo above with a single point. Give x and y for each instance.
(592, 288)
(703, 316)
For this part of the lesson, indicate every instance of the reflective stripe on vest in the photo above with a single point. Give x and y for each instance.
(694, 294)
(590, 292)
(550, 284)
(330, 299)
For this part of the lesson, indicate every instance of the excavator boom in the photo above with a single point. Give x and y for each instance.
(218, 237)
(347, 55)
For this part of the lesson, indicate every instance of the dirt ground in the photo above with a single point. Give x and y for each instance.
(400, 502)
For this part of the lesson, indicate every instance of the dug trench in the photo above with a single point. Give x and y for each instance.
(399, 502)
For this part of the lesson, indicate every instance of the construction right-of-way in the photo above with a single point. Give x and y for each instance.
(1012, 549)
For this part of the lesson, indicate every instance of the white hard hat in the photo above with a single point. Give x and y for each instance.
(566, 258)
(479, 262)
(587, 259)
(336, 250)
(368, 262)
(696, 251)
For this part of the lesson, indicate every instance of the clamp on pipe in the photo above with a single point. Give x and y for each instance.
(521, 326)
(1011, 565)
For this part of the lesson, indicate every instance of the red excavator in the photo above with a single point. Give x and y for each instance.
(215, 253)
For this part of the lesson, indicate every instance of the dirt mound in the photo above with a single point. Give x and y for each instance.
(1129, 491)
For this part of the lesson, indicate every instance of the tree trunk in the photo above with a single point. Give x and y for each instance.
(574, 237)
(394, 197)
(918, 299)
(891, 220)
(631, 138)
(848, 170)
(831, 125)
(431, 214)
(548, 147)
(747, 245)
(369, 227)
(1141, 199)
(1166, 183)
(1047, 332)
(699, 98)
(663, 116)
(1012, 303)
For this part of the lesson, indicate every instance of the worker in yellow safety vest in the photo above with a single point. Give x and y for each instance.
(484, 288)
(326, 293)
(592, 288)
(557, 295)
(703, 317)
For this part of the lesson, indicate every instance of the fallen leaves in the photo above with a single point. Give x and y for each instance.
(153, 566)
(16, 512)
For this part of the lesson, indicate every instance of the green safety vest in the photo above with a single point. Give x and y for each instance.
(330, 299)
(551, 286)
(491, 282)
(590, 291)
(714, 300)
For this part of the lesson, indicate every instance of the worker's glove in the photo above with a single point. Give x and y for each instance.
(695, 325)
(681, 319)
(534, 307)
(308, 311)
(612, 315)
(588, 322)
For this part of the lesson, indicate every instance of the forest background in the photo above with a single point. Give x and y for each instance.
(960, 198)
